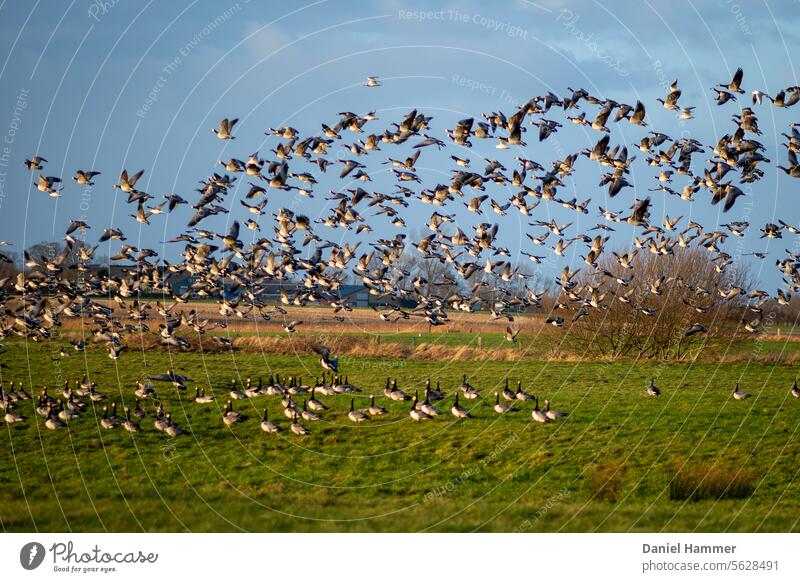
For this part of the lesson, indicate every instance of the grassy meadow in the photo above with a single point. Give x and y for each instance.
(692, 460)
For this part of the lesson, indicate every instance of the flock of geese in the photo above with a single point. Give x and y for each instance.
(74, 399)
(295, 248)
(58, 411)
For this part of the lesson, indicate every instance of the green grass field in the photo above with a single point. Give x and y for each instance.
(609, 466)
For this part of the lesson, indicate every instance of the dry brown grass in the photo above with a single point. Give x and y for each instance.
(357, 336)
(322, 320)
(700, 480)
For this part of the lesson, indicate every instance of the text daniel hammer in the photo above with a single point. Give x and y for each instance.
(687, 549)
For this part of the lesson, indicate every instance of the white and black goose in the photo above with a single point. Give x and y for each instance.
(457, 410)
(375, 409)
(520, 394)
(537, 414)
(307, 414)
(427, 407)
(231, 416)
(356, 415)
(416, 414)
(508, 394)
(740, 394)
(653, 390)
(298, 428)
(501, 407)
(551, 413)
(267, 425)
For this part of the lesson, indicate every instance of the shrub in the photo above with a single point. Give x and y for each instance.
(695, 482)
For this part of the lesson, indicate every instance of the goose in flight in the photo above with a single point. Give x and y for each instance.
(735, 85)
(225, 128)
(35, 163)
(47, 184)
(84, 178)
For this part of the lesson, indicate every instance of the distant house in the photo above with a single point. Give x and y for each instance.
(356, 295)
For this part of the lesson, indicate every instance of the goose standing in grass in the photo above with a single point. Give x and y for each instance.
(551, 413)
(465, 386)
(298, 428)
(795, 390)
(12, 417)
(395, 393)
(113, 417)
(235, 393)
(417, 414)
(507, 393)
(537, 414)
(22, 394)
(267, 425)
(457, 410)
(144, 390)
(296, 387)
(67, 413)
(436, 393)
(273, 387)
(308, 415)
(740, 394)
(345, 387)
(252, 391)
(653, 390)
(427, 407)
(106, 422)
(128, 424)
(160, 422)
(357, 416)
(520, 394)
(43, 408)
(53, 422)
(289, 407)
(470, 392)
(201, 397)
(375, 409)
(138, 411)
(95, 396)
(231, 416)
(172, 429)
(315, 404)
(501, 407)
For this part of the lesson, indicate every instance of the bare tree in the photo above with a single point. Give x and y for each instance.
(668, 307)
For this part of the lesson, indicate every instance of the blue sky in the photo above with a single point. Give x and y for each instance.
(139, 85)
